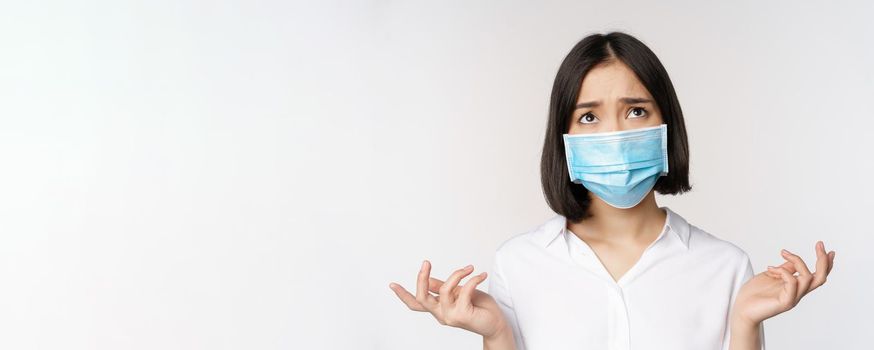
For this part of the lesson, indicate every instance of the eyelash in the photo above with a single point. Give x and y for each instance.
(633, 108)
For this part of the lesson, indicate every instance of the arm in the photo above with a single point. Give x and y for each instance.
(509, 338)
(744, 335)
(503, 340)
(747, 335)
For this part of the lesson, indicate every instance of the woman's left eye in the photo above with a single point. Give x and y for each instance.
(635, 115)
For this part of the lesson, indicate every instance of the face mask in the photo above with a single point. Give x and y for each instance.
(620, 167)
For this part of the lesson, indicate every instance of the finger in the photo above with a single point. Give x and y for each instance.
(831, 261)
(790, 266)
(804, 275)
(822, 261)
(790, 286)
(406, 297)
(422, 295)
(434, 285)
(467, 291)
(446, 297)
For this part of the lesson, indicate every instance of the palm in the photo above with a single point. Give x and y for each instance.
(483, 313)
(762, 297)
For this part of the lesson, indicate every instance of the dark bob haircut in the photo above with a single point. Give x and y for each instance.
(572, 200)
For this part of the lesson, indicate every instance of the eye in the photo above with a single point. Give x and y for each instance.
(643, 113)
(588, 118)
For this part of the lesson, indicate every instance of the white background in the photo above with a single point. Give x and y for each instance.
(253, 174)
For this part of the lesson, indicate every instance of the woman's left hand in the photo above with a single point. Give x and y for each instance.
(778, 290)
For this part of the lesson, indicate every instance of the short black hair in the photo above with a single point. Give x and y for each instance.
(572, 200)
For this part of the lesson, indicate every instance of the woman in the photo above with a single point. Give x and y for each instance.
(613, 270)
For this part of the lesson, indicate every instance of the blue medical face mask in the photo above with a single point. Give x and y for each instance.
(620, 167)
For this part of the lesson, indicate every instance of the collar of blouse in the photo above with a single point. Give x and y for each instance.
(555, 226)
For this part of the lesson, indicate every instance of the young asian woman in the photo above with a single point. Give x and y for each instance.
(613, 269)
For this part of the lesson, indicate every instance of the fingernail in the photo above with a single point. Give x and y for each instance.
(785, 251)
(468, 267)
(423, 263)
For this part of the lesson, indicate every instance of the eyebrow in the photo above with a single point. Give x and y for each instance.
(626, 100)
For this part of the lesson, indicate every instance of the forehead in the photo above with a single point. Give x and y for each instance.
(611, 80)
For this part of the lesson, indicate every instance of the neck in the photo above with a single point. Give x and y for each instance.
(621, 226)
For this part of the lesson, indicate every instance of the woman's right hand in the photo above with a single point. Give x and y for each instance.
(458, 306)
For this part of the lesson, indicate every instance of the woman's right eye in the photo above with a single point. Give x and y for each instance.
(588, 118)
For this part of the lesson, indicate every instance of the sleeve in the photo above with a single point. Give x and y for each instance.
(745, 273)
(500, 291)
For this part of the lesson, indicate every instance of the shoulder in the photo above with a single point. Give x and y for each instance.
(532, 239)
(720, 254)
(730, 257)
(708, 244)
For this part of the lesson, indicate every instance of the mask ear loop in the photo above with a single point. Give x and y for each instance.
(665, 148)
(567, 158)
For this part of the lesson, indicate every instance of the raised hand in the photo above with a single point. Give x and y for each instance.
(457, 306)
(778, 290)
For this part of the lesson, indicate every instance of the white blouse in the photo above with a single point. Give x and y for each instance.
(556, 294)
